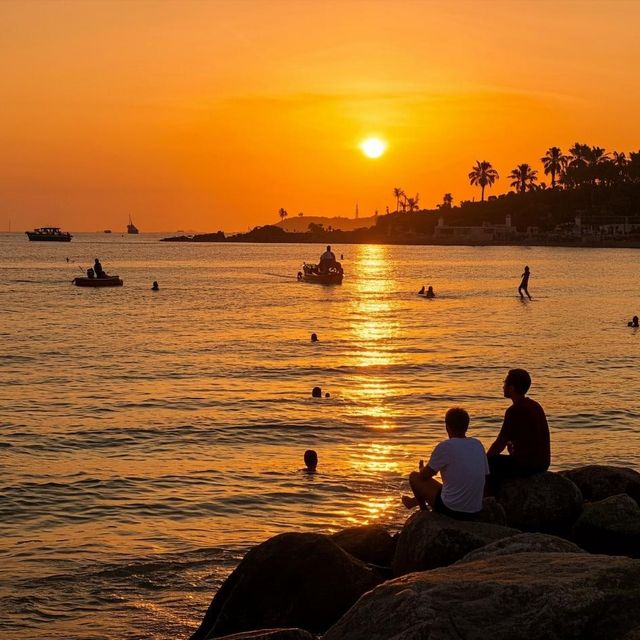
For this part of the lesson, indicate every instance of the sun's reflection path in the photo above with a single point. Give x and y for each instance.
(372, 328)
(380, 462)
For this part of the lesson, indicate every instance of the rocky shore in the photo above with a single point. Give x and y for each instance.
(553, 556)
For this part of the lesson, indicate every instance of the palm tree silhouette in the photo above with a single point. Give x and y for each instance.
(621, 164)
(554, 163)
(397, 194)
(482, 175)
(447, 201)
(412, 203)
(282, 213)
(524, 177)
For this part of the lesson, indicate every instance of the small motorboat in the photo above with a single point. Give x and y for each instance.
(312, 273)
(49, 234)
(109, 281)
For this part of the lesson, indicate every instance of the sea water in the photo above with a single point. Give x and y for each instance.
(148, 439)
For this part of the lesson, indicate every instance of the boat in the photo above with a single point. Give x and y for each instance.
(131, 228)
(107, 231)
(109, 281)
(311, 273)
(49, 234)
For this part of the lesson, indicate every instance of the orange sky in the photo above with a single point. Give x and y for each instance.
(213, 115)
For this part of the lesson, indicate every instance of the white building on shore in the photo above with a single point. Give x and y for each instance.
(484, 233)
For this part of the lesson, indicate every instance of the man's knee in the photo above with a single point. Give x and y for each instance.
(414, 477)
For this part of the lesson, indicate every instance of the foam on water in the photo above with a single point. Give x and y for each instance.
(147, 439)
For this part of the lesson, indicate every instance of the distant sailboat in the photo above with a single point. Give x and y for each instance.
(131, 228)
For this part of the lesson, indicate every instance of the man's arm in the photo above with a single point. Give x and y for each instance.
(501, 441)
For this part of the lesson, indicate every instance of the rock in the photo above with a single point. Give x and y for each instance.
(370, 543)
(429, 540)
(610, 526)
(597, 482)
(546, 503)
(492, 512)
(292, 580)
(271, 634)
(537, 596)
(523, 543)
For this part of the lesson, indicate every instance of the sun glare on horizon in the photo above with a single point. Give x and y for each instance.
(373, 147)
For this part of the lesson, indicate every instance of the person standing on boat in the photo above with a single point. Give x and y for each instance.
(524, 284)
(97, 267)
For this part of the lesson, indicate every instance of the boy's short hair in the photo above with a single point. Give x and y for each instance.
(457, 420)
(520, 379)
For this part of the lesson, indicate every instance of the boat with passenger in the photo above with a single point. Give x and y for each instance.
(327, 271)
(49, 234)
(107, 281)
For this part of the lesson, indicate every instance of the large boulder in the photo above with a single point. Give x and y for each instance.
(546, 503)
(492, 512)
(299, 580)
(537, 596)
(370, 543)
(610, 526)
(271, 634)
(429, 540)
(523, 543)
(597, 482)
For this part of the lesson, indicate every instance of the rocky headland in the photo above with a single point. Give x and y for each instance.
(554, 556)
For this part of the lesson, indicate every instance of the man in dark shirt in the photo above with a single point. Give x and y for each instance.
(524, 433)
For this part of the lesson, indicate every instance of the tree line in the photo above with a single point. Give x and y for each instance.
(583, 165)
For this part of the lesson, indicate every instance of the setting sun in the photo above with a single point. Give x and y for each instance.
(373, 147)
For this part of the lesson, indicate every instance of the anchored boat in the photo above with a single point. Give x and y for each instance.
(109, 281)
(311, 273)
(131, 228)
(49, 234)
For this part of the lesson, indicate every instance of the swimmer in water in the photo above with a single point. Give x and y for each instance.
(524, 284)
(310, 460)
(314, 337)
(421, 292)
(430, 293)
(155, 286)
(634, 322)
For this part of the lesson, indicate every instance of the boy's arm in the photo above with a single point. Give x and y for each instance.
(426, 471)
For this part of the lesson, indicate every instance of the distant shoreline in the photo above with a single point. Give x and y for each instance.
(332, 239)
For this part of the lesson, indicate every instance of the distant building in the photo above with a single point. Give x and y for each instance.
(485, 233)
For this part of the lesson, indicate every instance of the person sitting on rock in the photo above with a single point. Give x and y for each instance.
(462, 463)
(524, 433)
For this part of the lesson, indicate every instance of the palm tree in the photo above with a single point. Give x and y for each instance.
(447, 201)
(524, 177)
(397, 194)
(301, 215)
(554, 162)
(621, 163)
(482, 175)
(412, 203)
(282, 213)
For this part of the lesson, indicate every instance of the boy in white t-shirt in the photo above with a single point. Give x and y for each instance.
(463, 465)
